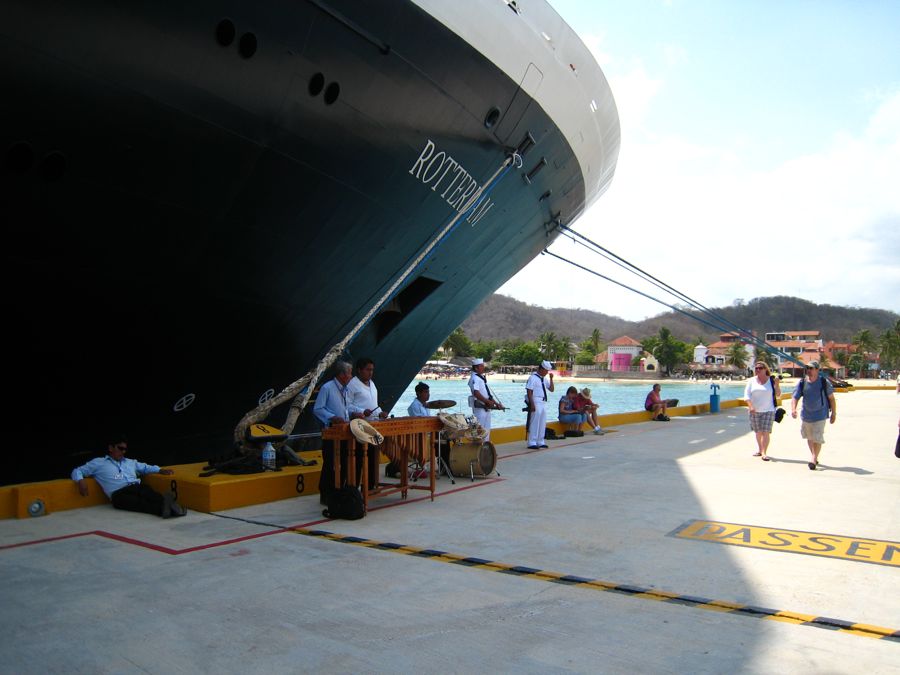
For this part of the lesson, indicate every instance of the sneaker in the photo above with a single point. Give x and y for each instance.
(598, 431)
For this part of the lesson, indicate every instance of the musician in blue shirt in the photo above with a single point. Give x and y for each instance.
(118, 477)
(418, 407)
(330, 409)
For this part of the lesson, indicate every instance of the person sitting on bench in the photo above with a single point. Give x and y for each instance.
(655, 404)
(570, 415)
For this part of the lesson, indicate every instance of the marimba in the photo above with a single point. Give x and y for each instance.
(404, 437)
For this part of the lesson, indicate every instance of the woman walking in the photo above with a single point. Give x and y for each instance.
(760, 393)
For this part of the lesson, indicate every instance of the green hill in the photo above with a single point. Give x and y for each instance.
(500, 318)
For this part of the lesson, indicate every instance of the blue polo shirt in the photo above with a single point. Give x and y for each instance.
(113, 475)
(815, 405)
(331, 402)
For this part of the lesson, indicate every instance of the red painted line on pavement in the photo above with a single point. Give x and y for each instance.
(226, 542)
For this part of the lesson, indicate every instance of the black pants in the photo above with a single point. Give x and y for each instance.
(326, 478)
(138, 497)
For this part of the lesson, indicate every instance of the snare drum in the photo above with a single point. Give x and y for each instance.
(481, 457)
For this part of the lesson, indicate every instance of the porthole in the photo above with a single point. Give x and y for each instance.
(225, 32)
(247, 45)
(316, 84)
(332, 91)
(491, 118)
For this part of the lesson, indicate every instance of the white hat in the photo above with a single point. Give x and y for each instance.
(546, 365)
(365, 432)
(477, 362)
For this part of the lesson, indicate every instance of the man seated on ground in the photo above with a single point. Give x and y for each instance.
(583, 402)
(656, 405)
(569, 414)
(119, 479)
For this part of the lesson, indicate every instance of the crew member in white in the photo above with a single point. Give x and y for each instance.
(362, 395)
(536, 398)
(362, 401)
(481, 400)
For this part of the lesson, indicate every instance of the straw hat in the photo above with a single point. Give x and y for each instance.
(586, 392)
(365, 432)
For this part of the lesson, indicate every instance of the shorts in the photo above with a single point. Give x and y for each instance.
(813, 431)
(762, 421)
(573, 418)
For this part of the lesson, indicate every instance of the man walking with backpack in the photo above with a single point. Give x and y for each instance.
(818, 399)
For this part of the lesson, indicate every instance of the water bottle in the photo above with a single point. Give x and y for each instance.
(268, 457)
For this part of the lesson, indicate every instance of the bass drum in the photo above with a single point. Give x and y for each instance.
(481, 457)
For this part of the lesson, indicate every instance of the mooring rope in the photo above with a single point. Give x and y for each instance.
(301, 390)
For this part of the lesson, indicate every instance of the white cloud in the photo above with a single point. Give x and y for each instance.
(820, 226)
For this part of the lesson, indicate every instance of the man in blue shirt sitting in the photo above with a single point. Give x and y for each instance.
(418, 408)
(118, 477)
(818, 398)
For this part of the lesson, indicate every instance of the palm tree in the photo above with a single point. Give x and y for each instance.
(737, 355)
(865, 344)
(765, 356)
(667, 349)
(596, 339)
(890, 347)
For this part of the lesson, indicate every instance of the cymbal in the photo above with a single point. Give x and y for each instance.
(440, 403)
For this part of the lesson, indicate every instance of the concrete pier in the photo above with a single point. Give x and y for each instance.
(660, 547)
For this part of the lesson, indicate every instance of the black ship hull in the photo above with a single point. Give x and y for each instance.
(199, 201)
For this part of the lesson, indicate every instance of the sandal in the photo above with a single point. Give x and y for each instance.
(756, 454)
(766, 458)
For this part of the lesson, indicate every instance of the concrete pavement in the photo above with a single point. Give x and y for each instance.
(475, 585)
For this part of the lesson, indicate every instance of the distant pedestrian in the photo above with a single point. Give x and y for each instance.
(118, 478)
(818, 406)
(482, 401)
(536, 402)
(761, 393)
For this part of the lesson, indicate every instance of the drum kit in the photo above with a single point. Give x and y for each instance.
(462, 450)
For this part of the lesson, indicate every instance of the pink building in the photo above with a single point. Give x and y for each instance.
(622, 352)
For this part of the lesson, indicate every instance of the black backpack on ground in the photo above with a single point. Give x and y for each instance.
(345, 503)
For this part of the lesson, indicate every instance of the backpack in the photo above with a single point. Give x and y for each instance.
(345, 503)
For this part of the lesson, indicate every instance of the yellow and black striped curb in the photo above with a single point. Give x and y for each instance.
(861, 629)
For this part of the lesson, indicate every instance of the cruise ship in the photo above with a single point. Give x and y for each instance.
(200, 199)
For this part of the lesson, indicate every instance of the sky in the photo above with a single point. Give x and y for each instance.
(760, 155)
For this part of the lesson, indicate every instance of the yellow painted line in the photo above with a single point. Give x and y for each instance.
(653, 594)
(842, 547)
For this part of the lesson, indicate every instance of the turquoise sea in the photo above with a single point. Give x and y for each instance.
(615, 397)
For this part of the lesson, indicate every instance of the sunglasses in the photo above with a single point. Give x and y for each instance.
(123, 448)
(759, 368)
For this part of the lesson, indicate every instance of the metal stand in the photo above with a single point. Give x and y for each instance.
(442, 465)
